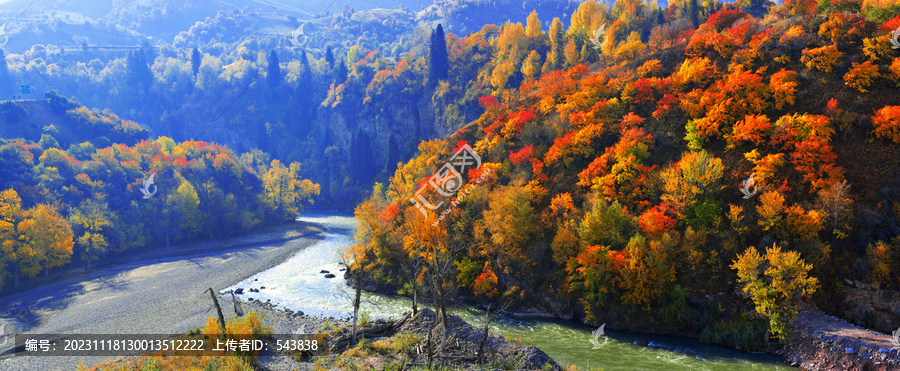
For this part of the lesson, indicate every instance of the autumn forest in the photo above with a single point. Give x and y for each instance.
(704, 169)
(614, 170)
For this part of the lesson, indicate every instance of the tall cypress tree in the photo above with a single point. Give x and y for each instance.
(694, 13)
(361, 158)
(392, 156)
(329, 56)
(195, 61)
(137, 73)
(274, 70)
(439, 63)
(305, 73)
(340, 73)
(304, 81)
(149, 52)
(142, 70)
(556, 57)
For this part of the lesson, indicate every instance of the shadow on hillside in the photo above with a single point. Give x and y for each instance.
(25, 310)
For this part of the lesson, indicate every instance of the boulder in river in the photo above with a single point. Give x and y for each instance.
(262, 287)
(329, 275)
(324, 272)
(239, 291)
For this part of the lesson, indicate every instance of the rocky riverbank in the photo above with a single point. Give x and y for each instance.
(402, 342)
(824, 342)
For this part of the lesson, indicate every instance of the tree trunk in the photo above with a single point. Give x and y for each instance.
(16, 271)
(695, 13)
(439, 307)
(434, 294)
(218, 310)
(208, 215)
(487, 321)
(355, 313)
(415, 295)
(89, 257)
(280, 208)
(429, 347)
(444, 309)
(167, 232)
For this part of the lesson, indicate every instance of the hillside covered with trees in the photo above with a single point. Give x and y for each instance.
(77, 202)
(700, 168)
(609, 174)
(238, 77)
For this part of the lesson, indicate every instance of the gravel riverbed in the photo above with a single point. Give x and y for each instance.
(159, 295)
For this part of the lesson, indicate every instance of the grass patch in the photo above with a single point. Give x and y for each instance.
(744, 334)
(249, 326)
(402, 343)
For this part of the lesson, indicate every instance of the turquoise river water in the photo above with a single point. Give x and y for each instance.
(297, 284)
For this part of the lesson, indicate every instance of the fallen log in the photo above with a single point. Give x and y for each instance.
(372, 330)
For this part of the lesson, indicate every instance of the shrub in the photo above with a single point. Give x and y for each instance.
(895, 71)
(887, 123)
(741, 333)
(400, 343)
(861, 75)
(822, 59)
(879, 257)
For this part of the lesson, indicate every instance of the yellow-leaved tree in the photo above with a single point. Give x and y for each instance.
(49, 236)
(531, 66)
(31, 240)
(777, 283)
(91, 217)
(770, 209)
(10, 215)
(187, 203)
(286, 193)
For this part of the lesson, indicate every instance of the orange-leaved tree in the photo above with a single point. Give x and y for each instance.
(861, 75)
(887, 123)
(770, 210)
(654, 222)
(822, 59)
(620, 172)
(647, 273)
(486, 282)
(594, 273)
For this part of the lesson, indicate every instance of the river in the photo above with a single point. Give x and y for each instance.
(299, 284)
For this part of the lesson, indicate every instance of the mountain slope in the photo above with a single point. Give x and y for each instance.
(671, 180)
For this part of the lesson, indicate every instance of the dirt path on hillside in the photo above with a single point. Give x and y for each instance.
(831, 325)
(824, 342)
